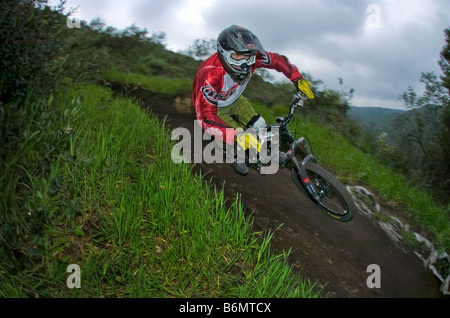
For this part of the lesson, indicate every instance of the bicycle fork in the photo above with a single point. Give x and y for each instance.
(300, 167)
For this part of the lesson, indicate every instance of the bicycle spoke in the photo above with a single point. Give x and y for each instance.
(329, 197)
(333, 198)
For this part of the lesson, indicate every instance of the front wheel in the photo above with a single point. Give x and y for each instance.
(334, 198)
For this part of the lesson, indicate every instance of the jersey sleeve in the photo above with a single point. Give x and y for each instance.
(204, 99)
(279, 63)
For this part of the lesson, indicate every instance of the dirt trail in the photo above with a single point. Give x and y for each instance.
(332, 253)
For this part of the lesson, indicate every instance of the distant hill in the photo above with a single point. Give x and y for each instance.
(398, 126)
(374, 119)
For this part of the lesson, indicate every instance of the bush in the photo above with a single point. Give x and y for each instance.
(29, 47)
(29, 37)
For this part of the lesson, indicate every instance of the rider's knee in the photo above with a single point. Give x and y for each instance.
(257, 122)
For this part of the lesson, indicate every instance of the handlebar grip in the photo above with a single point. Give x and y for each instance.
(301, 94)
(299, 99)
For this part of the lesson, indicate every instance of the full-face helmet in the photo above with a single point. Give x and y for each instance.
(237, 48)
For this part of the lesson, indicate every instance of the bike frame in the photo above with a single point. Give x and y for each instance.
(293, 146)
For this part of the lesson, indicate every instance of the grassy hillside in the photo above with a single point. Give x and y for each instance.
(348, 162)
(352, 165)
(405, 140)
(87, 178)
(110, 200)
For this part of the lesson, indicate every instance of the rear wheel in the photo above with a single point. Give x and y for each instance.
(334, 198)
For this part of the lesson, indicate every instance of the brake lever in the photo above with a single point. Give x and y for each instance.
(301, 99)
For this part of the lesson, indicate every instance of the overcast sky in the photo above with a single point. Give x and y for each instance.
(378, 47)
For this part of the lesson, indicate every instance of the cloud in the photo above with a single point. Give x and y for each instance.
(282, 24)
(380, 63)
(379, 47)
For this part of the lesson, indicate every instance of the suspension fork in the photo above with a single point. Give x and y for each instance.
(300, 167)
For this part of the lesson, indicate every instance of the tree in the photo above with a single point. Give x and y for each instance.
(431, 126)
(202, 48)
(30, 42)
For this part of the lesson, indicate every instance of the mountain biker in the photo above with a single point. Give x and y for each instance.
(220, 81)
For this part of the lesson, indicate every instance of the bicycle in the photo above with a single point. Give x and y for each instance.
(314, 181)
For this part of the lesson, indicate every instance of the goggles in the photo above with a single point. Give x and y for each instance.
(247, 58)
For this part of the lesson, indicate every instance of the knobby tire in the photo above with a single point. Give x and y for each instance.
(336, 201)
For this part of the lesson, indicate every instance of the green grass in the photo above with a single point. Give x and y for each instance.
(93, 185)
(161, 84)
(352, 165)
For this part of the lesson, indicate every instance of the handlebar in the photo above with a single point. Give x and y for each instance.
(298, 101)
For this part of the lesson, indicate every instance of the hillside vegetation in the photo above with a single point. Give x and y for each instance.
(374, 119)
(88, 178)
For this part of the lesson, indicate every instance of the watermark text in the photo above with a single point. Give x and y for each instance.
(374, 279)
(374, 16)
(189, 147)
(74, 279)
(74, 17)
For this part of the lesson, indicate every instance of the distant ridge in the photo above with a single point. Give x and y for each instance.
(374, 119)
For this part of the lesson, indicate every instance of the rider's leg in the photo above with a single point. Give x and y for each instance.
(243, 112)
(240, 115)
(227, 115)
(252, 119)
(257, 122)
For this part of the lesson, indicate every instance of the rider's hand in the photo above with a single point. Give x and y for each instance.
(305, 87)
(248, 140)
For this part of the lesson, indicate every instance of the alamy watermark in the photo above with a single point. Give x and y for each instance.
(74, 16)
(374, 279)
(74, 279)
(190, 148)
(374, 16)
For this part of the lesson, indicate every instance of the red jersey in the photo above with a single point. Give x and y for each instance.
(213, 87)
